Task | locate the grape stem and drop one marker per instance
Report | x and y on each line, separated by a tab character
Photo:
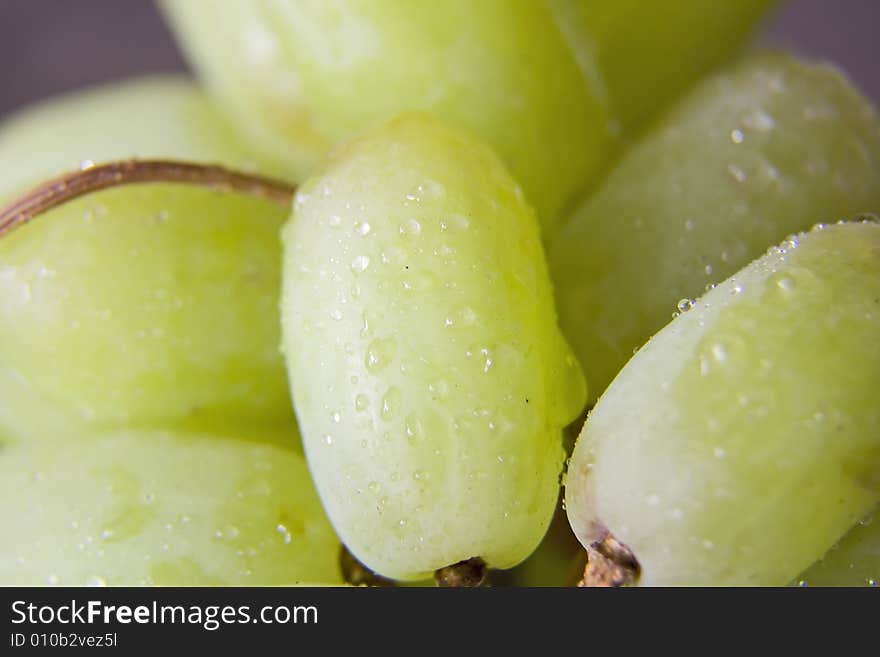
470	573
610	563
84	181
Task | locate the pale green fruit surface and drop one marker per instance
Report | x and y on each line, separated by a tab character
158	508
640	54
151	117
300	75
430	380
854	561
145	305
743	440
766	148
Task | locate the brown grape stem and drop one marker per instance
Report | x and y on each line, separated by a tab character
72	185
470	573
610	563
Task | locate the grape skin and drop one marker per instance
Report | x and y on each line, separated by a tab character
149	305
640	67
146	306
854	561
429	378
161	116
301	76
162	508
768	147
741	442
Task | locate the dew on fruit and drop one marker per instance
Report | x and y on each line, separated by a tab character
487	359
281	529
413	427
361	402
428	190
455	222
737	173
380	352
95	581
360	264
736	136
785	283
411	228
390	403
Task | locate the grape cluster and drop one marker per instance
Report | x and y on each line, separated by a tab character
513	224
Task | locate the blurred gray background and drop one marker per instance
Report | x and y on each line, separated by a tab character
48	46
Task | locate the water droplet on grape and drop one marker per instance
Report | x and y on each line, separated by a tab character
411	228
736	172
758	120
380	352
360	264
390	403
439	389
487	359
413	427
281	529
95	580
455	223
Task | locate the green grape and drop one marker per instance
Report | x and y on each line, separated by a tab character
152	117
300	75
743	439
429	377
159	508
766	148
145	305
855	561
641	54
